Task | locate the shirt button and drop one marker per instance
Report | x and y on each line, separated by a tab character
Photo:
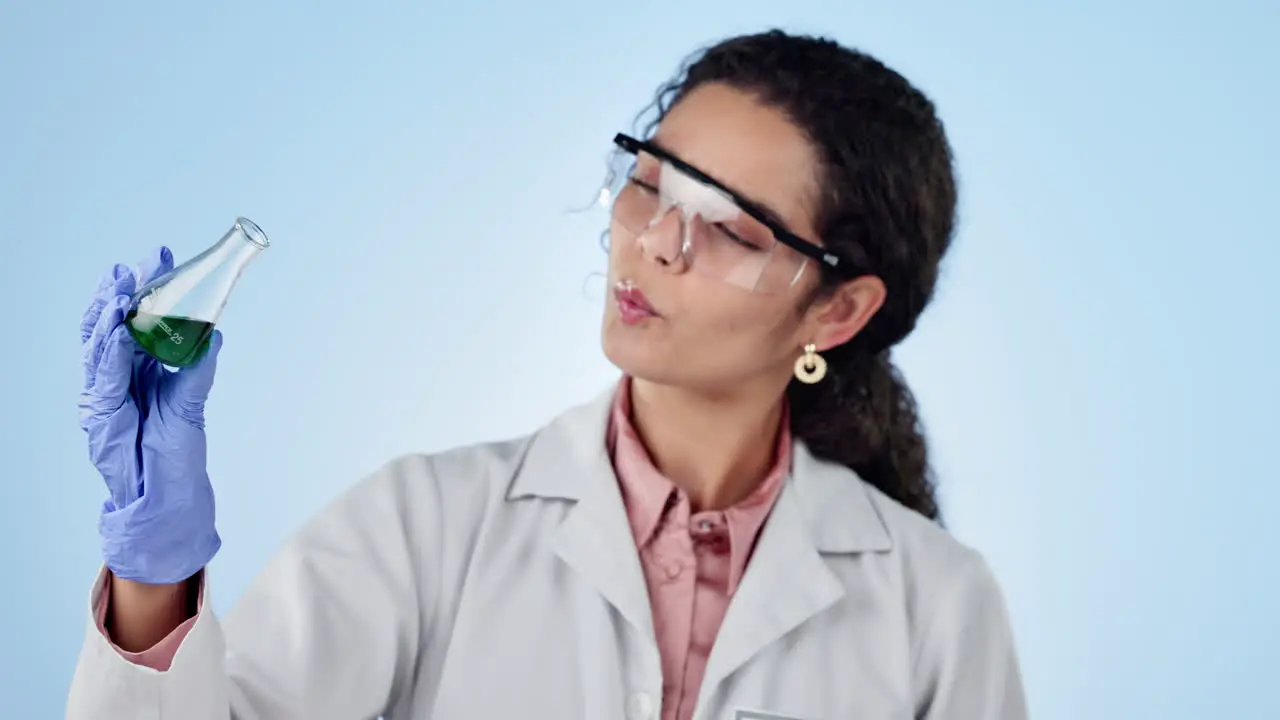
704	526
673	570
640	707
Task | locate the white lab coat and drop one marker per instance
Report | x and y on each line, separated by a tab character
501	581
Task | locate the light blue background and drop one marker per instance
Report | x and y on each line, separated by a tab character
1098	374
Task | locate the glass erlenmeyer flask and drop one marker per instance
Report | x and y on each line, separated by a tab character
173	316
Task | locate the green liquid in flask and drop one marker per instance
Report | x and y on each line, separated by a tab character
174	341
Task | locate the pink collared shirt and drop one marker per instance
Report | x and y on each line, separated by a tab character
692	562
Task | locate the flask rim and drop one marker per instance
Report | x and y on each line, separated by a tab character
252	232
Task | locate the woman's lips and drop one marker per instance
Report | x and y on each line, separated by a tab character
633	307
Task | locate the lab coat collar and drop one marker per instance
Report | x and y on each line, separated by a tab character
823	509
568	459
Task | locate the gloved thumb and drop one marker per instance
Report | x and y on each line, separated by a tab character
193	383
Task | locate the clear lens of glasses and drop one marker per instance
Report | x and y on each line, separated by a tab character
680	218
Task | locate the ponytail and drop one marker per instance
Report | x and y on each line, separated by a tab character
863	416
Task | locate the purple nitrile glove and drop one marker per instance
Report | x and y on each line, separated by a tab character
145	426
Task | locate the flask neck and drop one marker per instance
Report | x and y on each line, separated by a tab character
235	250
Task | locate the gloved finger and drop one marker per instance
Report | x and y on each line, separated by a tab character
193	383
105	291
111	316
157	263
115	369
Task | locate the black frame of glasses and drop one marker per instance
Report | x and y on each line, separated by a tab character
840	265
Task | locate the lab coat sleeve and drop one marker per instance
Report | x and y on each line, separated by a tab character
967	663
328	631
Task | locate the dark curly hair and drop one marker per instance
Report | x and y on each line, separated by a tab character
889	196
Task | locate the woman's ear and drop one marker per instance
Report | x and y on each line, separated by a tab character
834	319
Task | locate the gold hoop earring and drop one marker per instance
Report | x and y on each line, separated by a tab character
810	367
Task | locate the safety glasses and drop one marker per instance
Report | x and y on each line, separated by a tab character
681	214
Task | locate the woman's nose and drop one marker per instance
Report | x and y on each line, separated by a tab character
663	241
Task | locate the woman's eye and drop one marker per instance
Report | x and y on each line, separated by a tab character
643	185
734	237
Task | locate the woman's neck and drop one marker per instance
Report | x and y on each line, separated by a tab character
717	449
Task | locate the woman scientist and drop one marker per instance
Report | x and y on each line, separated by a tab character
743	528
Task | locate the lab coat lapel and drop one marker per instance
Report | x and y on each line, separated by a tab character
785	584
568	459
823	508
596	541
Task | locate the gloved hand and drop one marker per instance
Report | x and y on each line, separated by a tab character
145	426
